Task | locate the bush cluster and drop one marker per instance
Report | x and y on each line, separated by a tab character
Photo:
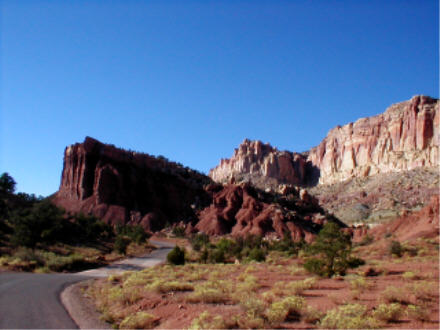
249	248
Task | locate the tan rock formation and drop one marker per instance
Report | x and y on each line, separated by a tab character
405	137
254	159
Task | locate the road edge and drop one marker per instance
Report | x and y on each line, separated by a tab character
80	308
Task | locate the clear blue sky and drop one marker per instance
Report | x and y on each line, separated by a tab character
191	79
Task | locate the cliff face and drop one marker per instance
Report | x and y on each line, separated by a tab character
262	165
405	137
120	186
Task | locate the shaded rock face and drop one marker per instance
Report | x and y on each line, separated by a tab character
405	137
241	210
120	186
263	165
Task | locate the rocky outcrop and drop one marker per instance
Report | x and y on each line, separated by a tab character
405	137
121	186
262	165
240	210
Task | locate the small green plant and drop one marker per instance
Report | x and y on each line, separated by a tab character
207	321
121	244
140	320
350	316
388	312
312	315
396	249
418	313
257	254
393	294
178	231
176	256
289	307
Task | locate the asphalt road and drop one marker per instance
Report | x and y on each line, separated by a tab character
32	301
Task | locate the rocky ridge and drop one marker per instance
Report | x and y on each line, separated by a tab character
122	186
405	137
125	187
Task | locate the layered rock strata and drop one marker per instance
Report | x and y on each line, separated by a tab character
405	137
263	165
121	186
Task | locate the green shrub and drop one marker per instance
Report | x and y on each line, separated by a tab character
417	312
396	248
333	248
217	256
139	320
121	244
289	307
351	316
257	254
207	321
198	241
388	312
178	231
176	256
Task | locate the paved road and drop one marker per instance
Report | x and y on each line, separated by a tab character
32	301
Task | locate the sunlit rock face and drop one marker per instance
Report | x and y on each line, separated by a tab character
254	159
405	137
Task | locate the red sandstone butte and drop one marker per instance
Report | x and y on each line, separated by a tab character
127	187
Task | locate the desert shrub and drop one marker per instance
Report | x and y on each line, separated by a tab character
41	223
246	321
351	316
410	276
388	312
176	256
418	313
393	294
312	315
210	292
216	256
423	290
139	320
207	321
29	255
199	240
396	249
164	286
334	249
58	263
257	254
253	306
178	231
360	284
289	307
121	244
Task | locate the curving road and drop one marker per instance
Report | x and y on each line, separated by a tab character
32	301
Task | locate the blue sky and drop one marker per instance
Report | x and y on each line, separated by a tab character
191	79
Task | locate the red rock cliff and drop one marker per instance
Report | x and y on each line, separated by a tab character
120	186
406	136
